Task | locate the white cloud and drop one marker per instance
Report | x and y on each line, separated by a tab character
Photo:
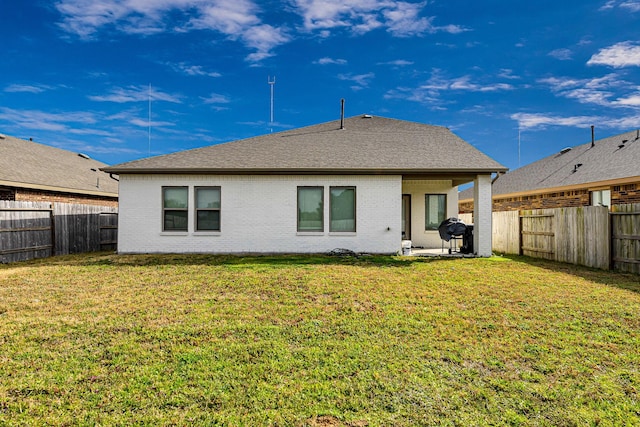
62	123
627	122
263	38
542	121
145	123
397	63
405	20
401	19
507	73
431	91
608	5
235	19
598	91
240	20
629	101
135	94
216	98
632	5
464	83
415	95
40	120
561	54
193	70
623	54
327	61
361	80
17	88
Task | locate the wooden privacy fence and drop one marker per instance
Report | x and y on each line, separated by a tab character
39	229
590	235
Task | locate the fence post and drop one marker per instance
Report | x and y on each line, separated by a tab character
611	245
52	223
520	219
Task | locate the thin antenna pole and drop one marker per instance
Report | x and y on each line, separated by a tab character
272	84
149	119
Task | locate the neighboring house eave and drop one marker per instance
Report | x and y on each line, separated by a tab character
56	189
592	186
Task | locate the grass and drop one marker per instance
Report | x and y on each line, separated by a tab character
102	339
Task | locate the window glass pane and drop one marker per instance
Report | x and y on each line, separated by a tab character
343	209
176	198
175	220
310	212
435	210
208	220
208	198
601	198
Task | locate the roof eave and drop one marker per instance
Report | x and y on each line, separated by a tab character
300	171
57	189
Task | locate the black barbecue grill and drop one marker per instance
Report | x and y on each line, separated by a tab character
451	230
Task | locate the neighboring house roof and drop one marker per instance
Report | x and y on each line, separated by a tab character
27	164
609	161
367	144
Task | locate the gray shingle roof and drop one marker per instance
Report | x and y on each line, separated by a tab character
366	144
27	164
604	162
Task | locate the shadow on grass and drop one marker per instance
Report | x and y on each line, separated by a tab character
277	260
627	281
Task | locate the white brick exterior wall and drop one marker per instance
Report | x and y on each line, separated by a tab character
259	214
418	189
482	216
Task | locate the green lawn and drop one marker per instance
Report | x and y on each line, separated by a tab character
102	339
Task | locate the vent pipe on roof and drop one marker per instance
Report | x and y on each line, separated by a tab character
342	113
593	137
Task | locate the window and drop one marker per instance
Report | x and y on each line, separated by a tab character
601	198
207	208
310	209
435	210
342	205
175	208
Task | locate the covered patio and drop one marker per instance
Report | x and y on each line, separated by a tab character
427	200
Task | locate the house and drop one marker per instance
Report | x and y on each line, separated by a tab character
36	172
602	172
362	183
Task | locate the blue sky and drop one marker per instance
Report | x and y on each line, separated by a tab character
79	74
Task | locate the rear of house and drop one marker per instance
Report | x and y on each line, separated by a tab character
363	184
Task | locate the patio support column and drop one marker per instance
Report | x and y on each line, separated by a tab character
482	216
